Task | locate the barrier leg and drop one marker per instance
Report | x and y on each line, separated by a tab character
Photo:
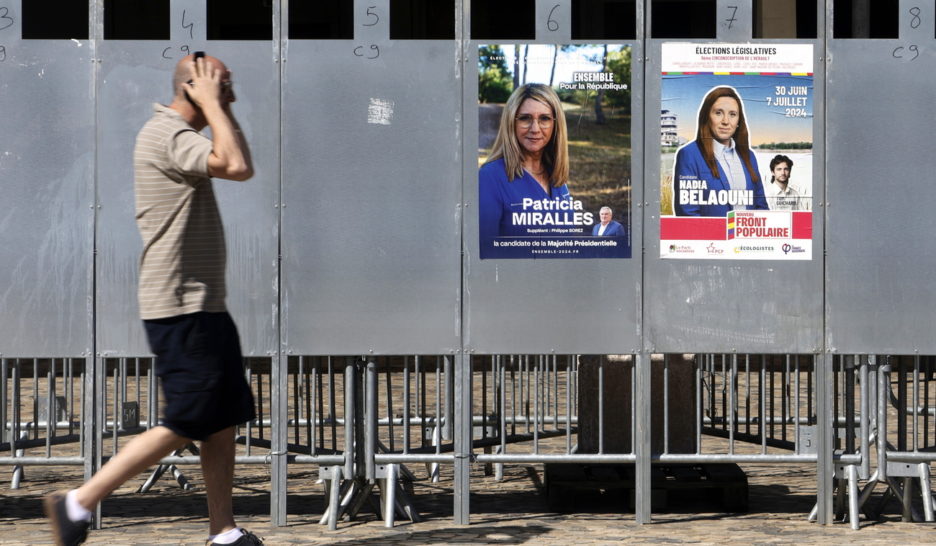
334	500
176	473
853	496
389	491
18	469
907	500
926	491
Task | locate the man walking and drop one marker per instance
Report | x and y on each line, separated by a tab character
181	296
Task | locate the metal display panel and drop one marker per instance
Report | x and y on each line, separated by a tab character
135	74
881	252
707	305
371	217
47	169
561	305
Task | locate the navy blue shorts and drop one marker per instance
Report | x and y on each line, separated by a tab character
199	362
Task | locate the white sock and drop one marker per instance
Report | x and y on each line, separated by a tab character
76	512
229	537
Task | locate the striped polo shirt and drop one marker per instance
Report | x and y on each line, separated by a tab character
182	266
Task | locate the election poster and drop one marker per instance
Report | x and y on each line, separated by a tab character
554	151
736	134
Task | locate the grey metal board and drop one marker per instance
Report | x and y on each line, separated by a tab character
132	76
371	226
558	305
47	169
880	296
703	305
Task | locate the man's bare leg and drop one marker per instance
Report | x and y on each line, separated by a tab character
217	461
139	454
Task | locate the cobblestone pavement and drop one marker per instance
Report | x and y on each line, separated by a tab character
513	511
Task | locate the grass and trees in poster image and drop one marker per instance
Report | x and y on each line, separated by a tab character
599	122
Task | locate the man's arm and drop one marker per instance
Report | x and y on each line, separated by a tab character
230	155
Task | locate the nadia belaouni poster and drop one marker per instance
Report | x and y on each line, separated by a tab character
736	133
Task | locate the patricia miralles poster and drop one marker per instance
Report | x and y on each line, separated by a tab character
554	163
736	132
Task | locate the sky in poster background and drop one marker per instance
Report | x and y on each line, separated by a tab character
682	94
540	56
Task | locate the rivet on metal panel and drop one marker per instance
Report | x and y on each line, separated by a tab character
370	351
833	350
276	205
284	205
466	205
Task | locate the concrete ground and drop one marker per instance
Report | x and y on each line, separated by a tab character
512	511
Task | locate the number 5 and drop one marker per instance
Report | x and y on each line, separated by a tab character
372	14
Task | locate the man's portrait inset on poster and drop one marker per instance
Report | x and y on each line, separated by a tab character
529	162
607	227
717	172
781	195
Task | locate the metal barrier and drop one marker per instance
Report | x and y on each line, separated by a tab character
906	442
42	404
362	420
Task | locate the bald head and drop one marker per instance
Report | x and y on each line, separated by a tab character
183	71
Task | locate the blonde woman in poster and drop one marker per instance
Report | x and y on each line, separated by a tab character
529	161
717	172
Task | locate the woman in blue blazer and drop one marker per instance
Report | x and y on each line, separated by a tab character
529	160
717	172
